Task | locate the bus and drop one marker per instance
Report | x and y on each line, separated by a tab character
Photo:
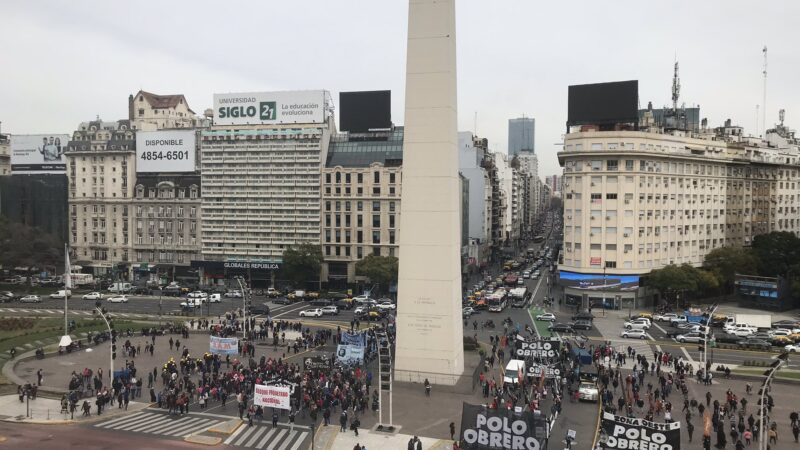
497	301
537	239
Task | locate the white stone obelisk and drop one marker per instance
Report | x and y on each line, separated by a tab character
429	324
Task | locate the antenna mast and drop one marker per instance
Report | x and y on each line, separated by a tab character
764	101
676	90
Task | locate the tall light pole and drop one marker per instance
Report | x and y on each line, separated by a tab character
244	307
762	443
112	352
705	339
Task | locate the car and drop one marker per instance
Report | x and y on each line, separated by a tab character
757	344
61	294
634	333
582	325
282	301
118	299
693	337
30	299
330	310
519	303
388	306
780	332
344	303
786	324
727	338
467	311
197	294
215	298
587	391
583	316
316	312
780	341
233	294
259	310
792	348
666	317
312	295
561	327
92	296
546	317
678	320
8	296
526	274
637	324
743	332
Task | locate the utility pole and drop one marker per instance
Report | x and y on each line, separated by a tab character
776	365
764	100
113	349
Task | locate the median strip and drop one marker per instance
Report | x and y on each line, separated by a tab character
538	325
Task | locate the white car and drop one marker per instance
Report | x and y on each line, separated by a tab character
666	317
92	296
61	294
637	325
359	310
780	332
693	337
742	332
31	299
330	310
215	298
192	303
546	317
233	294
634	333
792	348
118	299
588	391
311	313
386	305
197	294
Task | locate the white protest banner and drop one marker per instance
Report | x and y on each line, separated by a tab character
272	396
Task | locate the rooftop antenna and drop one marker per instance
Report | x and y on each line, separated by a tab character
781	115
475	125
764	101
676	89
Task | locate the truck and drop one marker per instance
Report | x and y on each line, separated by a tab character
760	321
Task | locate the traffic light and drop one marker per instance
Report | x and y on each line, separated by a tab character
113	344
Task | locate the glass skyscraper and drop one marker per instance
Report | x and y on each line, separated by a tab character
521	134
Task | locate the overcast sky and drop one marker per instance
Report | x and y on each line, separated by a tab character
66	62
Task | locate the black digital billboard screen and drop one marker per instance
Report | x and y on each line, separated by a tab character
365	110
604	103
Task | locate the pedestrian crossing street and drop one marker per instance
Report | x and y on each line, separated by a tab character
170	426
60	312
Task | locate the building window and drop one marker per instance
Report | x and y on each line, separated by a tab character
391	236
391	220
611	196
376	221
391	206
612	164
376	251
360	206
327	205
360	221
327	178
327	235
391	178
376	177
347	220
347	236
611	264
376	206
628	164
327	220
359	236
360	178
359	250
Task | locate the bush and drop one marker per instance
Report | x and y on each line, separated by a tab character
16	323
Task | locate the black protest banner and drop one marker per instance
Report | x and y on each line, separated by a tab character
627	433
317	362
539	348
550	371
490	429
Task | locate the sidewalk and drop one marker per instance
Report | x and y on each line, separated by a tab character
48	410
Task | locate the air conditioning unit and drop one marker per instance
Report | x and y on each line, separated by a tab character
592	184
592	217
625	251
569	217
625	235
627	202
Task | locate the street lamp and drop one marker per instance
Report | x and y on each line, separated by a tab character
762	443
113	349
244	307
705	338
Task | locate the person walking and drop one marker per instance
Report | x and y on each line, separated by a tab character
343	422
452	431
427	388
689	430
39	377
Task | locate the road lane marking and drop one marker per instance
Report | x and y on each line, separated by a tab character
688	356
234	435
300	440
288	439
255	436
266	438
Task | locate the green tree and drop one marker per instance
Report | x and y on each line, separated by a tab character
302	263
671	280
726	262
379	269
777	252
25	246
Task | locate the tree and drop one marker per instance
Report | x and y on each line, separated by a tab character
302	263
25	246
379	269
672	279
777	252
726	262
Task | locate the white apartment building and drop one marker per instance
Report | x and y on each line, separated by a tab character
261	181
471	154
510	186
635	201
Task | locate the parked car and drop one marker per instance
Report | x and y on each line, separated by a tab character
546	317
634	333
330	310
93	296
467	311
582	325
119	299
311	313
561	327
31	299
583	316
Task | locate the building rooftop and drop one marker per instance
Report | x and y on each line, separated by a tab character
363	149
164	101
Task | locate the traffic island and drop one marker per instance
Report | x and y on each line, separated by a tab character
203	440
226	427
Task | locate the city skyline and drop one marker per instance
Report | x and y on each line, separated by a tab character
125	58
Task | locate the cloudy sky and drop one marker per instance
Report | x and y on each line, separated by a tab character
66	62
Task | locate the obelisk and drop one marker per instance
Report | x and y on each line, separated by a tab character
429	326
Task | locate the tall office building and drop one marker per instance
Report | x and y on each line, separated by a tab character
261	163
521	133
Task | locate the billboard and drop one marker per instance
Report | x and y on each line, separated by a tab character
485	429
272	396
608	282
365	110
39	153
224	346
619	432
603	103
269	107
165	151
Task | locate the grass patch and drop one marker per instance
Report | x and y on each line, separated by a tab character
785	374
541	326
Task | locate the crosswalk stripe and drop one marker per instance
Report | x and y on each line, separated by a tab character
278	437
185	427
300	440
266	438
288	439
120	420
11	310
249	431
147	420
255	436
234	435
147	424
24	310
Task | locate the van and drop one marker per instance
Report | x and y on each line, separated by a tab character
61	294
120	288
513	368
